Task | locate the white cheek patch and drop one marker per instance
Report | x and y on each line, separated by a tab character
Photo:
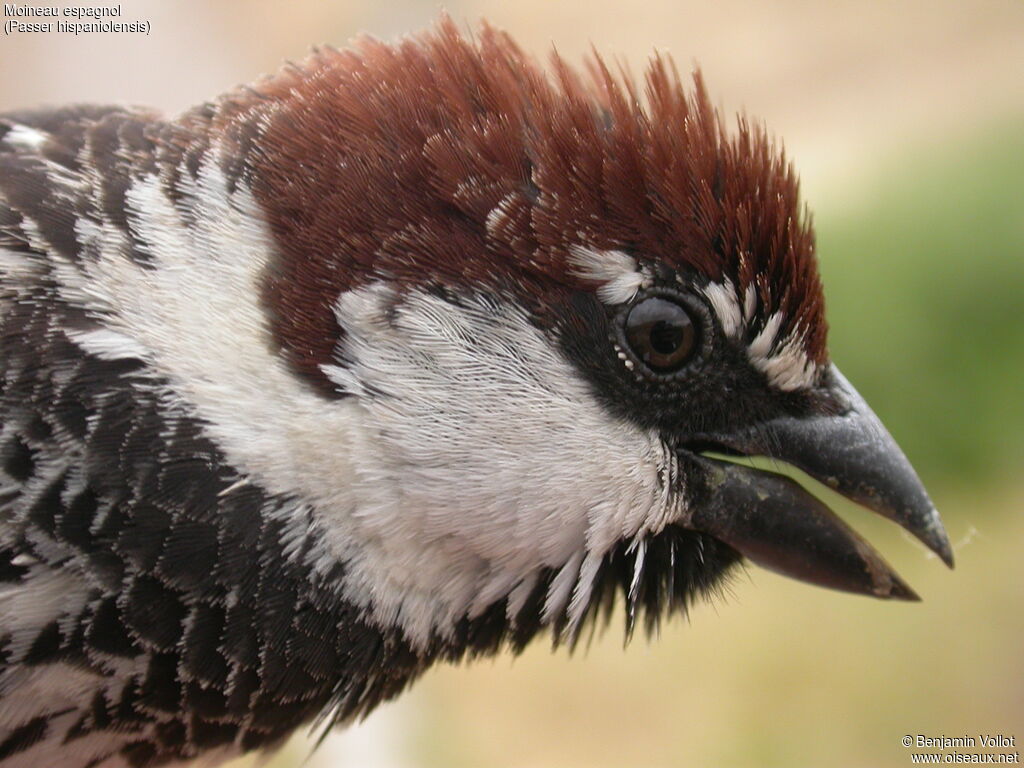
483	458
783	361
618	274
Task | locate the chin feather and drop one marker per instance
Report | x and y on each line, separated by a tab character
654	578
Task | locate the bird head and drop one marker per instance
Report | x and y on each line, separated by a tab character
547	308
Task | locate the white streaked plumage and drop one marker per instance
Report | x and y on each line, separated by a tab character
379	471
24	137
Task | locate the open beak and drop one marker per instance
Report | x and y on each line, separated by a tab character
775	523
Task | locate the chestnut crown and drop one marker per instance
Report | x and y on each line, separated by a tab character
460	161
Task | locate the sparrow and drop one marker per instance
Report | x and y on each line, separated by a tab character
403	355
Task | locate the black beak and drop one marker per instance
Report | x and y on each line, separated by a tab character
774	522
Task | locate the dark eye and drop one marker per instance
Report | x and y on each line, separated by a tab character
661	334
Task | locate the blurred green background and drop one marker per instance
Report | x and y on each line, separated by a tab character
925	282
906	121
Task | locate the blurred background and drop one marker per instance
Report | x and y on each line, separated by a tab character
906	122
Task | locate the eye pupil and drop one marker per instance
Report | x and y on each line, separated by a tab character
660	332
665	337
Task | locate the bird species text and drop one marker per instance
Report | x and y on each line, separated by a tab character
28	19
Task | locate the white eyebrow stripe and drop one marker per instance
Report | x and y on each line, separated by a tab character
725	303
783	361
749	303
618	273
761	346
788	368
